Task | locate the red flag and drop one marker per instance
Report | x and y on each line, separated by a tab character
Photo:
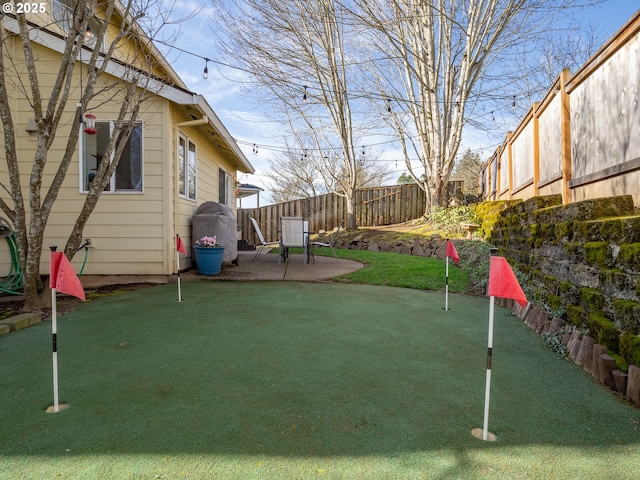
451	251
503	282
63	278
180	246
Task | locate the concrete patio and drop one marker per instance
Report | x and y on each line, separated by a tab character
266	267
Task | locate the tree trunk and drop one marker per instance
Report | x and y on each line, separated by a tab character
351	210
33	286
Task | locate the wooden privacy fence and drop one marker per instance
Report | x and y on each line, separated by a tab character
583	139
374	206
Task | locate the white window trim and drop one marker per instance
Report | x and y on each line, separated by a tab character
112	181
229	187
187	142
94	19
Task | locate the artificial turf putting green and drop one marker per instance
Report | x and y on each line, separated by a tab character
284	380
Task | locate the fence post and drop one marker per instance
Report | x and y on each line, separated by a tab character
565	110
536	148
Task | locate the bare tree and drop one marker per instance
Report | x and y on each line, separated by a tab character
303	173
84	61
299	51
433	62
540	61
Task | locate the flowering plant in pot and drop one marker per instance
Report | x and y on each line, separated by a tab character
208	255
208	242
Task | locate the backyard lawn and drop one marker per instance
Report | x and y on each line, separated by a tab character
285	380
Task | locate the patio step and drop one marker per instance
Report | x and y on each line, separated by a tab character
18	322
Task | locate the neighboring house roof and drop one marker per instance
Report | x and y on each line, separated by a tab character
174	92
246	190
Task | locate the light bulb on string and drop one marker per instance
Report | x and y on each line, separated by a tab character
493	119
513	105
304	96
388	105
255	149
88	34
205	73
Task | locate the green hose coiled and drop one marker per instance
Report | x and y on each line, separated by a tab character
12	283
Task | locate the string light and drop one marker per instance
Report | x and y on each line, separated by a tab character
513	105
88	35
255	149
205	73
493	119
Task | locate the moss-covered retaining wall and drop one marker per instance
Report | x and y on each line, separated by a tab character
583	259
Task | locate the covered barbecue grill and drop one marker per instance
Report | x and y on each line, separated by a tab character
213	218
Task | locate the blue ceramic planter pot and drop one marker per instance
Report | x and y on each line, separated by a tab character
209	259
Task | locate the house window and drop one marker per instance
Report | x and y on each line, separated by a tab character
62	11
187	168
225	188
128	174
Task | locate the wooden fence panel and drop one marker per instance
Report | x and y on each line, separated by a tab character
586	138
374	206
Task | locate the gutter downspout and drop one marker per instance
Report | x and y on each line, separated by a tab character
176	185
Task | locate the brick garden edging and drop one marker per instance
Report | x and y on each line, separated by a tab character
18	322
581	349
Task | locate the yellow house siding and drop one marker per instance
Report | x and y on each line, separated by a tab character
131	232
208	161
128	228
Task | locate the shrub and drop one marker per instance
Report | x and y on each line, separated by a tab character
449	219
630	347
474	258
554	342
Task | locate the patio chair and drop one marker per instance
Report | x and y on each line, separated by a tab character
293	233
329	244
263	244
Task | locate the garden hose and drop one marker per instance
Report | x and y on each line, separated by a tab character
12	283
86	255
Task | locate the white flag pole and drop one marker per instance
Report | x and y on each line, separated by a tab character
446	287
485	427
54	333
178	267
476	432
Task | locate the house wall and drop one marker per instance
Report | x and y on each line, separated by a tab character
132	233
130	52
209	160
127	229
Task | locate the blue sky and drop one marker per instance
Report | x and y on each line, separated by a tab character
247	124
